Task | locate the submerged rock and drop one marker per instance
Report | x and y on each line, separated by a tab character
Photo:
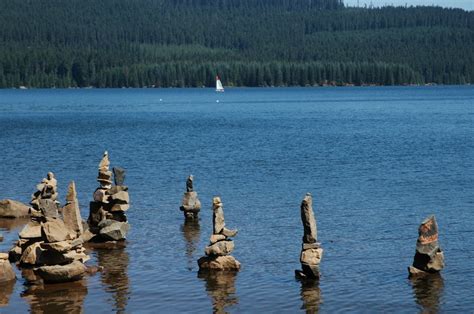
13	209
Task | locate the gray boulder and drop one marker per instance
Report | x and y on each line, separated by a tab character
114	230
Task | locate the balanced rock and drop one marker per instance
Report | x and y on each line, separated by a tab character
220	246
429	257
13	209
71	212
61	273
190	204
47	189
311	251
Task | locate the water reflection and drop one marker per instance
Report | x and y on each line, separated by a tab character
6	290
220	286
310	295
114	275
428	291
191	234
57	298
12	224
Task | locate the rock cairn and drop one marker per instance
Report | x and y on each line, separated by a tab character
107	218
311	251
220	246
190	204
44	200
50	246
428	258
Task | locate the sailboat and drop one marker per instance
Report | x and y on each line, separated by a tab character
219	87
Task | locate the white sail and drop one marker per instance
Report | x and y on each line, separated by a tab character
219	87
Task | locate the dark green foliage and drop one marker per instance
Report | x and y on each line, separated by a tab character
176	43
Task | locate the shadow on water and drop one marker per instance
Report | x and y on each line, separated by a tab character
220	286
56	298
428	291
191	234
6	290
310	295
114	276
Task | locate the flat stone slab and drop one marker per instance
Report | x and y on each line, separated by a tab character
61	273
218	263
31	231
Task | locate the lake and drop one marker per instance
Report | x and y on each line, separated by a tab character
378	160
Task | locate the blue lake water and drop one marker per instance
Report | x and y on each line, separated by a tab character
377	160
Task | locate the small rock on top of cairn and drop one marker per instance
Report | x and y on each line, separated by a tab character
218	251
190	204
311	251
44	201
429	257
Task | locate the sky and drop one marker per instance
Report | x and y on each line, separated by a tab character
464	4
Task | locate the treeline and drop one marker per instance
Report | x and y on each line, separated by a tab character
179	43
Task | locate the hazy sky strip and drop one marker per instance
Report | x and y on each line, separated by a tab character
464	4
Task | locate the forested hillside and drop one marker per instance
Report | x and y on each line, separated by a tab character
176	43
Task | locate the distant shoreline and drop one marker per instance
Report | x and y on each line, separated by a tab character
231	87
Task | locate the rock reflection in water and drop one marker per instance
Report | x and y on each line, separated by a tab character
428	291
310	295
191	233
12	224
6	290
114	275
56	298
220	286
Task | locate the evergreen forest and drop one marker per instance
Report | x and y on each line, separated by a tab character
185	43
